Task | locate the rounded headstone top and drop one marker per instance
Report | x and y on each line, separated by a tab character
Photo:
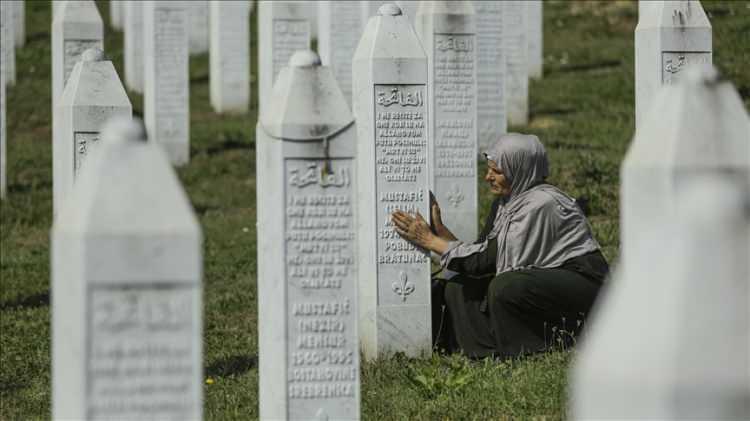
702	75
390	9
304	58
92	54
124	129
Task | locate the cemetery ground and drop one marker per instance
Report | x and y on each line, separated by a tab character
583	110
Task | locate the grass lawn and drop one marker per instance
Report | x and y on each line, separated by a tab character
583	110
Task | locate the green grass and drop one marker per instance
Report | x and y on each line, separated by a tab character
582	110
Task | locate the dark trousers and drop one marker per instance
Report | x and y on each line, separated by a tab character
511	314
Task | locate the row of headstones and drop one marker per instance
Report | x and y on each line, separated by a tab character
12	36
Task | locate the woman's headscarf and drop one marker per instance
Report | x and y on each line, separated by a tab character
522	159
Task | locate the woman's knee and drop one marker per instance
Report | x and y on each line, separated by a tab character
508	289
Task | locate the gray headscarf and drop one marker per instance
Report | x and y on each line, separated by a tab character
537	225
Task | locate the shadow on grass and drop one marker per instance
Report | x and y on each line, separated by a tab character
604	64
232	366
228	145
36	300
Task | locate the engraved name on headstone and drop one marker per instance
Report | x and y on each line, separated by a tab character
491	70
307	270
516	56
126	282
133	43
391	104
283	28
670	37
92	95
230	56
448	33
167	95
340	25
77	26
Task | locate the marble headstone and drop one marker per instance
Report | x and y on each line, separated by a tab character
127	288
77	26
340	25
307	269
93	95
230	56
516	56
448	33
311	14
19	22
283	28
166	98
491	70
133	42
535	37
116	14
670	37
677	311
3	136
199	24
391	106
7	34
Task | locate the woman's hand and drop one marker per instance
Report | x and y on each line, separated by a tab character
437	221
416	230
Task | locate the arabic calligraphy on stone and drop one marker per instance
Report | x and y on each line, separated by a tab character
412	99
315	174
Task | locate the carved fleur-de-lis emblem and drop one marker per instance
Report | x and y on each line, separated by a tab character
455	196
403	287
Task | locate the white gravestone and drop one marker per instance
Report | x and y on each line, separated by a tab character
391	105
283	28
340	25
92	95
448	33
535	38
516	56
670	37
133	43
77	26
3	135
230	56
307	273
19	22
7	34
127	289
677	311
199	23
166	98
491	70
116	14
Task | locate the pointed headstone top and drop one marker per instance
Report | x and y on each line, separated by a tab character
390	9
304	58
673	14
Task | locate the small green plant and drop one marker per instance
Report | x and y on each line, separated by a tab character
440	375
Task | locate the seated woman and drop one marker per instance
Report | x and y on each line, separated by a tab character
531	277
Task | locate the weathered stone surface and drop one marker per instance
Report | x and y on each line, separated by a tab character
516	56
167	95
448	33
307	269
77	26
230	56
283	28
670	37
116	14
535	37
133	42
340	25
93	95
491	71
676	312
199	26
126	288
7	34
391	107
